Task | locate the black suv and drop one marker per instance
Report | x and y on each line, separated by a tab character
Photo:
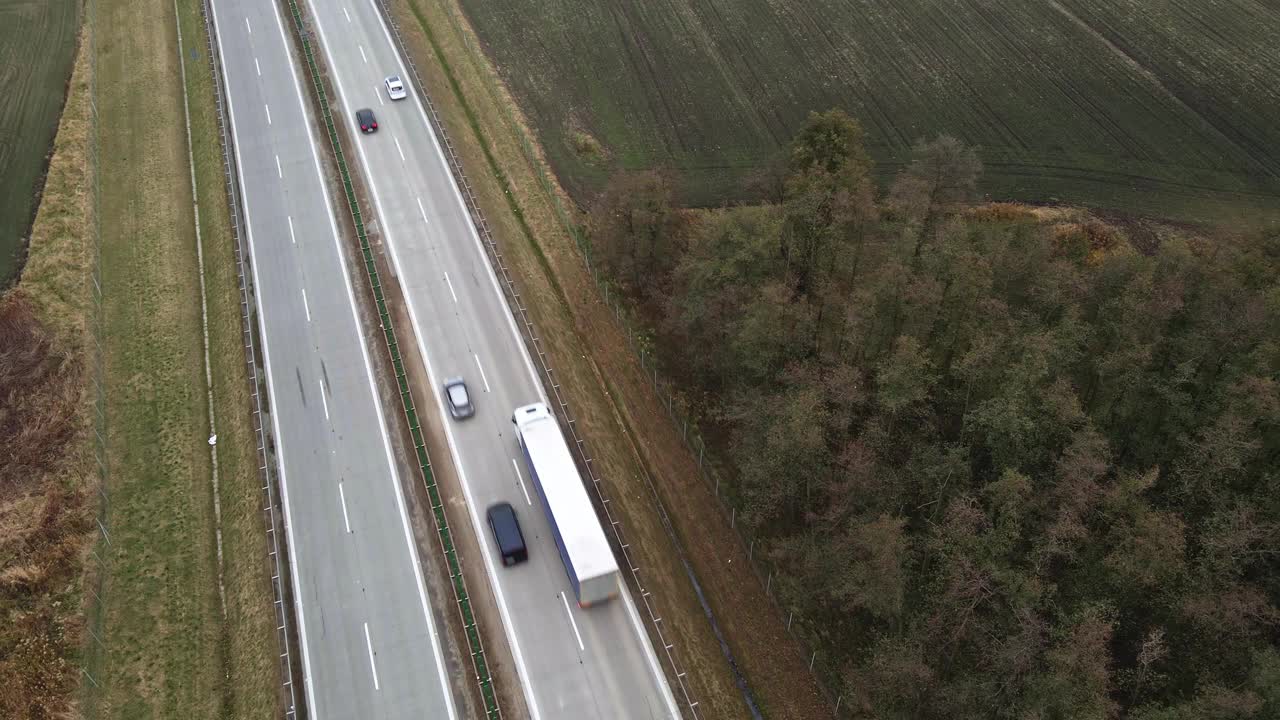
506	533
368	123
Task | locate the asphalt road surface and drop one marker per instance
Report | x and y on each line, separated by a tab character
574	663
368	638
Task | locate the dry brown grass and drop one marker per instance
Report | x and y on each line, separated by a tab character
1000	212
45	485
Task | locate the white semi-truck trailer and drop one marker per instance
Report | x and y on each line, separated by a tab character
584	550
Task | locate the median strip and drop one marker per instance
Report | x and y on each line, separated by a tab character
479	664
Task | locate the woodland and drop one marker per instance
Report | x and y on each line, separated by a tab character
1019	462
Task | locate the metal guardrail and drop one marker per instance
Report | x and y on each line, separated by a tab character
531	340
458	582
249	311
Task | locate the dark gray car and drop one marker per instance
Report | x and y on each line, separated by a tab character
455	393
506	533
368	123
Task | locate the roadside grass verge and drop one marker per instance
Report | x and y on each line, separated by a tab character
48	483
169	651
611	399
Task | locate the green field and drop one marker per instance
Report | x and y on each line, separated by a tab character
1164	107
37	45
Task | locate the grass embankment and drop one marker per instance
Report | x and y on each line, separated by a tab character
614	404
37	48
48	483
170	653
1118	104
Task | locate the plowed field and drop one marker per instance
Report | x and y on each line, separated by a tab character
1164	107
37	42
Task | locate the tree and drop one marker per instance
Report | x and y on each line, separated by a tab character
634	226
731	255
828	189
942	177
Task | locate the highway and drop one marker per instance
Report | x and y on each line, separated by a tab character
368	637
574	663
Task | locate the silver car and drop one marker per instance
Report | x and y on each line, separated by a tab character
395	88
455	393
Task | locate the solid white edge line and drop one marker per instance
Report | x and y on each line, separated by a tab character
306	306
650	654
308	687
394	475
448	282
481	368
292	238
569	612
520	481
342	495
372	665
476	523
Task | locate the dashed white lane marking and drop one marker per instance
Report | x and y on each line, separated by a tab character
482	377
398	148
305	306
292	239
424	212
279	171
268	107
450	284
343	495
324	400
247	25
571	622
344	12
366	57
372	665
257	67
520	479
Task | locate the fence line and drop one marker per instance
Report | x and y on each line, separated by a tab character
641	345
479	663
248	316
530	338
95	652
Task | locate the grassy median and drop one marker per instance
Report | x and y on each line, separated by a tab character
170	652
